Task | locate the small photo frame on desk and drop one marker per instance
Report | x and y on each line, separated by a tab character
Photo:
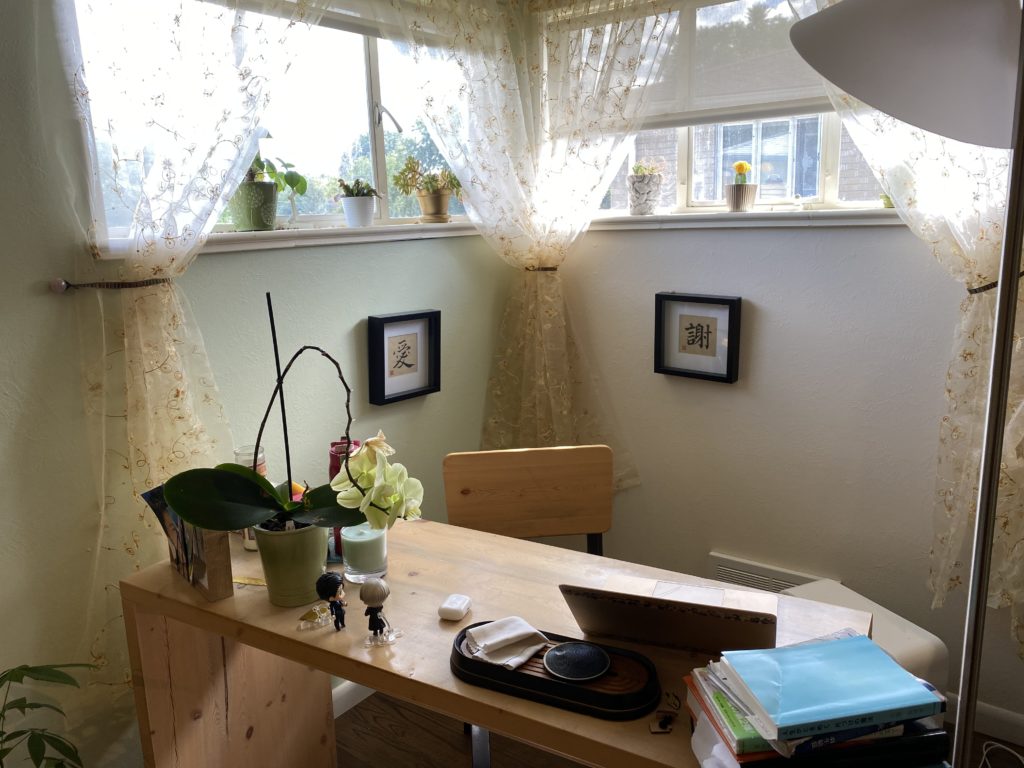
404	355
697	336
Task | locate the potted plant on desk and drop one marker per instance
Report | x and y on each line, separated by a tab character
291	530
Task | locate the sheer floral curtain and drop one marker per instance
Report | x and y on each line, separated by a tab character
169	96
532	104
953	196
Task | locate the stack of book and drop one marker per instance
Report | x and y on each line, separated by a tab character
836	702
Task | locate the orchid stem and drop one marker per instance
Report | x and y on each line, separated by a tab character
284	415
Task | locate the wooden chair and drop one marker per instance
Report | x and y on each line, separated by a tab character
531	492
525	493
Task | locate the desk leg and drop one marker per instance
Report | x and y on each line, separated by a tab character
203	699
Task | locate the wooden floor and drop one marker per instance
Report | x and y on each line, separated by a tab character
383	731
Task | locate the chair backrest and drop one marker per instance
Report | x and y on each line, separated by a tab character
528	492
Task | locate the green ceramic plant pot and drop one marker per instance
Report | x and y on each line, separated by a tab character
254	206
292	562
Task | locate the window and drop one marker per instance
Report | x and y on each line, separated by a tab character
806	160
333	129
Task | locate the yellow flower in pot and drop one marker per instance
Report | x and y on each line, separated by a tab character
741	194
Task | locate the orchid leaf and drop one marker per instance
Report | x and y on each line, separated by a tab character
221	499
320	507
256	477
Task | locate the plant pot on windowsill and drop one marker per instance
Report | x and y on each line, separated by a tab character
358	210
740	197
358	200
433	188
434	207
644	193
254	206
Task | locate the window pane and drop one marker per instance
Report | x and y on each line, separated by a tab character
775	159
402	99
323	134
659	147
785	155
857	182
807	162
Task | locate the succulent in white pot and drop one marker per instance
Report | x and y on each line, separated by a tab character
358	200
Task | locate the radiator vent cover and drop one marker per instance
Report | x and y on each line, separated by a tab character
749	573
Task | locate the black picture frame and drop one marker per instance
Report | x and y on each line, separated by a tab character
403	355
706	349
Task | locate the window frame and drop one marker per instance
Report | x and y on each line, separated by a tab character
828	175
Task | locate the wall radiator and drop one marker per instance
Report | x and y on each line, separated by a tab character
750	573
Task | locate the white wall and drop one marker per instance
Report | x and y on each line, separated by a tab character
821	458
323	296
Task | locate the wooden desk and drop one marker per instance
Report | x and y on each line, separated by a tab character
235	683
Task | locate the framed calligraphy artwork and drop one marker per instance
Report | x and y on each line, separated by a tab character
697	336
404	355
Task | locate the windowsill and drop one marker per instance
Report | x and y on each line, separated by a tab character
822	217
224	242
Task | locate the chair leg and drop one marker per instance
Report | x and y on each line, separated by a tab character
595	544
480	740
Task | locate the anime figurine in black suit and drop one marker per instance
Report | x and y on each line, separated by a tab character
374	592
328	587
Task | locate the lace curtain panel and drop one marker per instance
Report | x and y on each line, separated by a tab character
167	138
531	104
953	196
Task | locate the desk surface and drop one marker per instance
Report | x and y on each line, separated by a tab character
428	561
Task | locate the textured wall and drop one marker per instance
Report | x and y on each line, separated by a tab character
821	458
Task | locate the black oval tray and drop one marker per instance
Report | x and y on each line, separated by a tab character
628	690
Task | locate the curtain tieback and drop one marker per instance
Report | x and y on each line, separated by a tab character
542	269
60	285
987	286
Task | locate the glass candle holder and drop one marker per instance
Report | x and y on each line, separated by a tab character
364	551
244	455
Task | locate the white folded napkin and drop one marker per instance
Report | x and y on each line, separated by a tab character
509	642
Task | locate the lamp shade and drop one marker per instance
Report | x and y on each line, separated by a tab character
948	66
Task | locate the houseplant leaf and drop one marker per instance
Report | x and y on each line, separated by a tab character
65	747
221	499
47	673
320	507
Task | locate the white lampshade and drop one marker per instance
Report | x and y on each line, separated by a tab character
948	66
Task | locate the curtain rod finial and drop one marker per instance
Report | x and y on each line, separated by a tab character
59	285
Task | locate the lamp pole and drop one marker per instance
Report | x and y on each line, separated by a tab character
992	450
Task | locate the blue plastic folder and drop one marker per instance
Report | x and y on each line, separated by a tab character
818	687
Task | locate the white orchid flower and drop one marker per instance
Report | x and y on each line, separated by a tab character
385	491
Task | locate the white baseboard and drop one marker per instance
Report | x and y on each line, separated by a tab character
991	720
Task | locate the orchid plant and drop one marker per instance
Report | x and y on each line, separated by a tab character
382	491
231	496
741	168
